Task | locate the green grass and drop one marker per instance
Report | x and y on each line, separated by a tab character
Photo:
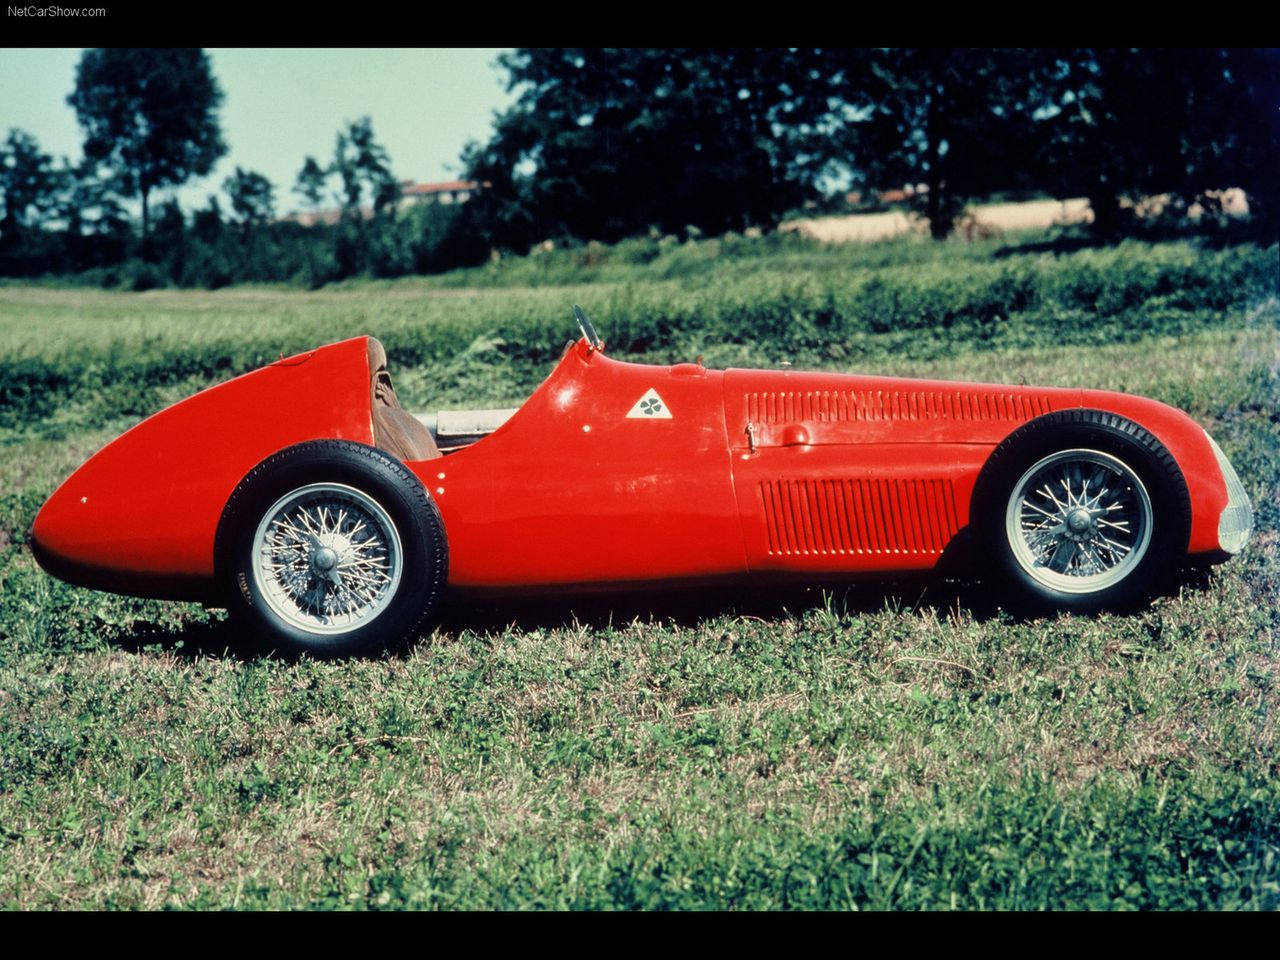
896	746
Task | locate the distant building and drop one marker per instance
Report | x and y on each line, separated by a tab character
411	195
450	191
310	218
908	191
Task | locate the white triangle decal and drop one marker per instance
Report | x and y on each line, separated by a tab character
650	407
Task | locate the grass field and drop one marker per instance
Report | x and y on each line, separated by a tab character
889	746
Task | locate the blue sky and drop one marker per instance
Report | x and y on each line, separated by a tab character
281	105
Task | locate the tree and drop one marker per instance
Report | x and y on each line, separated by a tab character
364	168
957	121
29	184
603	143
206	224
169	233
97	227
311	183
150	114
1249	130
252	198
1131	123
90	202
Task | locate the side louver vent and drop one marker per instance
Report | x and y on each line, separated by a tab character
858	516
835	405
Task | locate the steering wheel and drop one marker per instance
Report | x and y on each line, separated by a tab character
588	331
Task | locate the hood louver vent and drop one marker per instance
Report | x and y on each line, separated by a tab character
858	516
831	406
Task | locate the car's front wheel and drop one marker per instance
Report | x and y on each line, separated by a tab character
1082	511
333	549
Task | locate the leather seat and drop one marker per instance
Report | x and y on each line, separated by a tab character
395	430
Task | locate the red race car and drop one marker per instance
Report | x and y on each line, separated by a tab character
332	521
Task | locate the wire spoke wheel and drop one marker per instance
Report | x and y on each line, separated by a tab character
331	548
327	558
1079	521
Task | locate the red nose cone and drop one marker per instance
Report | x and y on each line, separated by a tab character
141	514
103	529
53	539
88	539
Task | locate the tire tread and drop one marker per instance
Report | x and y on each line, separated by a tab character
342	453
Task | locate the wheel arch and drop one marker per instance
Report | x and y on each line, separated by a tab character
1091	435
1183	438
1105	420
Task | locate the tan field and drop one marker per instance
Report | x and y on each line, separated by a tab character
998	217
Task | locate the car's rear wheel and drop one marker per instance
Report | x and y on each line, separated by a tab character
333	549
1082	511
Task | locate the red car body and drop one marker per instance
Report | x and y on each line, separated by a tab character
738	473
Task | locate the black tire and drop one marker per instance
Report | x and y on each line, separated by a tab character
360	550
1083	559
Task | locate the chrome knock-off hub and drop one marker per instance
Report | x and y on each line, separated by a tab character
1080	525
324	560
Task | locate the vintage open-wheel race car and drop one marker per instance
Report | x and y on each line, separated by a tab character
331	521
